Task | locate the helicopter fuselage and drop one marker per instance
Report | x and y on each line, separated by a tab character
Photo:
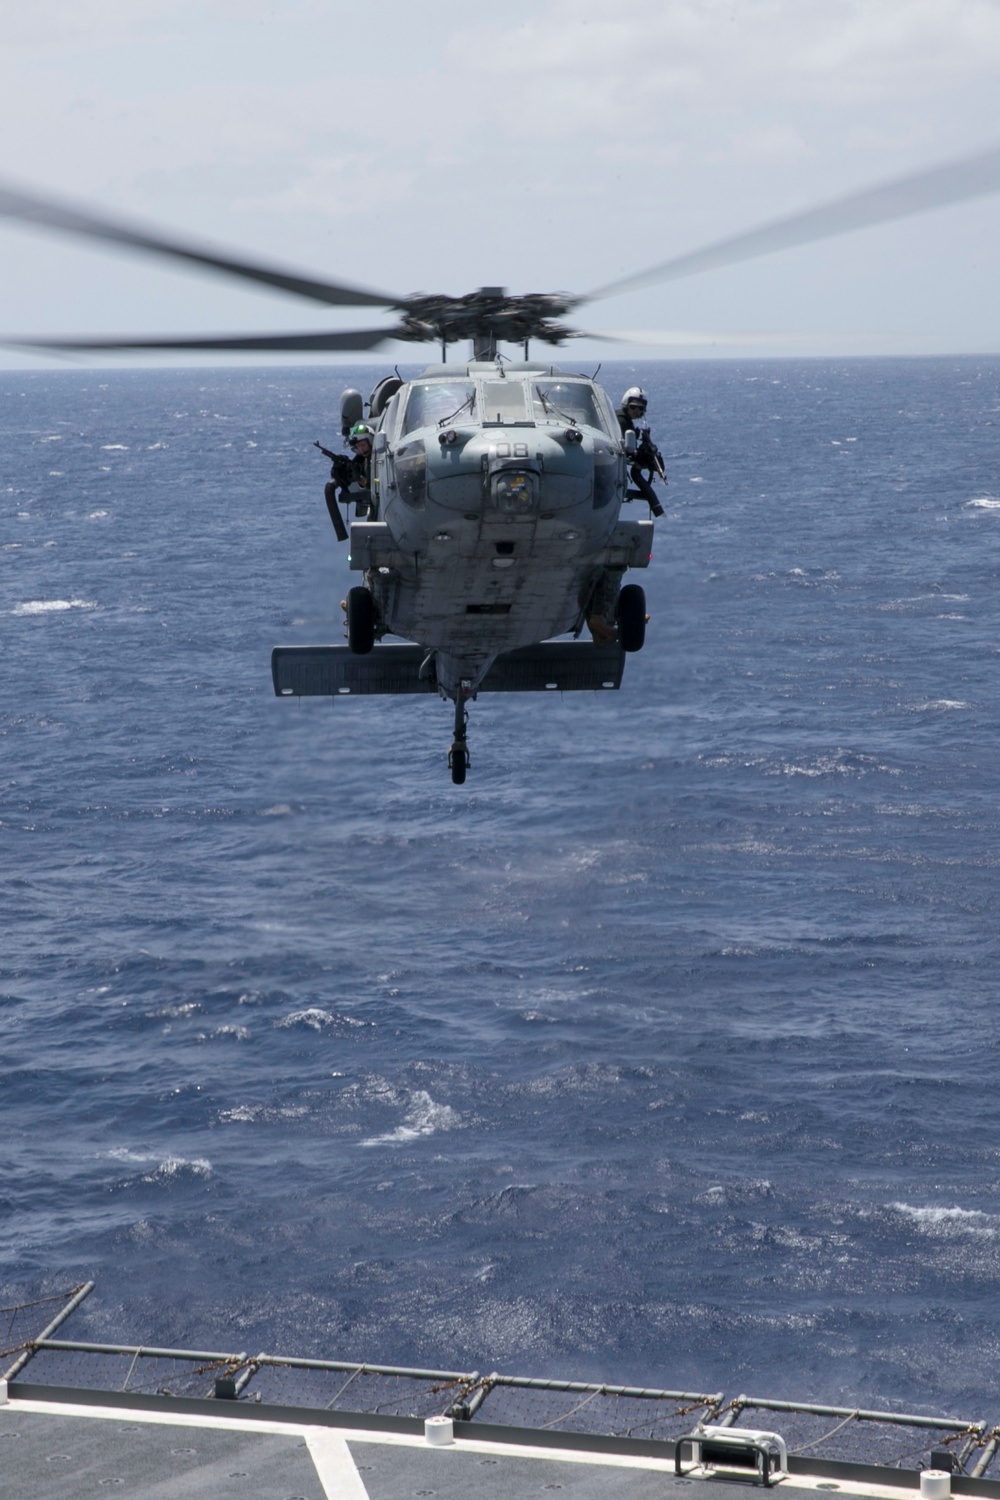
496	497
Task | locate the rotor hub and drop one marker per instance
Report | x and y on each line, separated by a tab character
487	314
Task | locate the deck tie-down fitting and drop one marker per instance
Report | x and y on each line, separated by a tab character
733	1443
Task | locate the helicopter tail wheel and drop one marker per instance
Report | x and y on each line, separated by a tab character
361	621
458	762
631	618
458	755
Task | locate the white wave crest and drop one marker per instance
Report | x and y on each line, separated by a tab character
983	502
823	765
51	606
179	1166
943	1221
167	1168
424	1117
314	1018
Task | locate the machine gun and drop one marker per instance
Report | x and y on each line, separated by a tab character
341	474
648	456
647	460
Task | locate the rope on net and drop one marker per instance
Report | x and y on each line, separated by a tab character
573	1409
804	1447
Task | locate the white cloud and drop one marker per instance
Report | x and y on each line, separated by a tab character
578	70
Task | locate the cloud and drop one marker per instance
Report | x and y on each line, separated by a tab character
572	68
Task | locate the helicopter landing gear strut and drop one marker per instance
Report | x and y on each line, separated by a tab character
458	755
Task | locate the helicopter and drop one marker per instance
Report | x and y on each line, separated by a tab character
489	524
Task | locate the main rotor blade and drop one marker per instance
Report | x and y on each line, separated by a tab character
298	343
30	209
973	177
690	338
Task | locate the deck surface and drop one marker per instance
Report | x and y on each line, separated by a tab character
79	1452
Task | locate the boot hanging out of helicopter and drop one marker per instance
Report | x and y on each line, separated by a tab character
647	460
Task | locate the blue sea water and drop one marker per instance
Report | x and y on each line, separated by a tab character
663	1051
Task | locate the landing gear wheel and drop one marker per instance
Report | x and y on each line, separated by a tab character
458	762
360	621
631	618
458	755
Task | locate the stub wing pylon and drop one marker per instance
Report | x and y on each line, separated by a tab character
335	671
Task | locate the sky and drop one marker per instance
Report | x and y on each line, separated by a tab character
553	146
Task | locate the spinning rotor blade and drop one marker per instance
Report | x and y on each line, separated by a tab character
973	177
683	338
52	215
301	343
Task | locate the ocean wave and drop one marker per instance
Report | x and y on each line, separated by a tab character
423	1117
836	762
167	1168
749	1190
314	1018
51	606
983	502
581	1078
949	1221
257	1114
819	765
175	1011
179	1166
317	1019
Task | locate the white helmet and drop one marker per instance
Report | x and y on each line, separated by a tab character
634	395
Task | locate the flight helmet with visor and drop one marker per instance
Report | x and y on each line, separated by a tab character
634	401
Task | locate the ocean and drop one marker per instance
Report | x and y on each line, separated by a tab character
661	1052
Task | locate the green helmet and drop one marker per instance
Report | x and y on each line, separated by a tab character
360	432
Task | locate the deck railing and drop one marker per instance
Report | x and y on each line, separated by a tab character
846	1434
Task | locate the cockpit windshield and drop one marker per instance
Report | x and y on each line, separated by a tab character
568	401
434	401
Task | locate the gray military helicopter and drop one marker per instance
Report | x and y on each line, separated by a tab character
490	521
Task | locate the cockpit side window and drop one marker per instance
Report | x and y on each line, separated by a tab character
387	422
562	401
389	417
434	401
608	411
